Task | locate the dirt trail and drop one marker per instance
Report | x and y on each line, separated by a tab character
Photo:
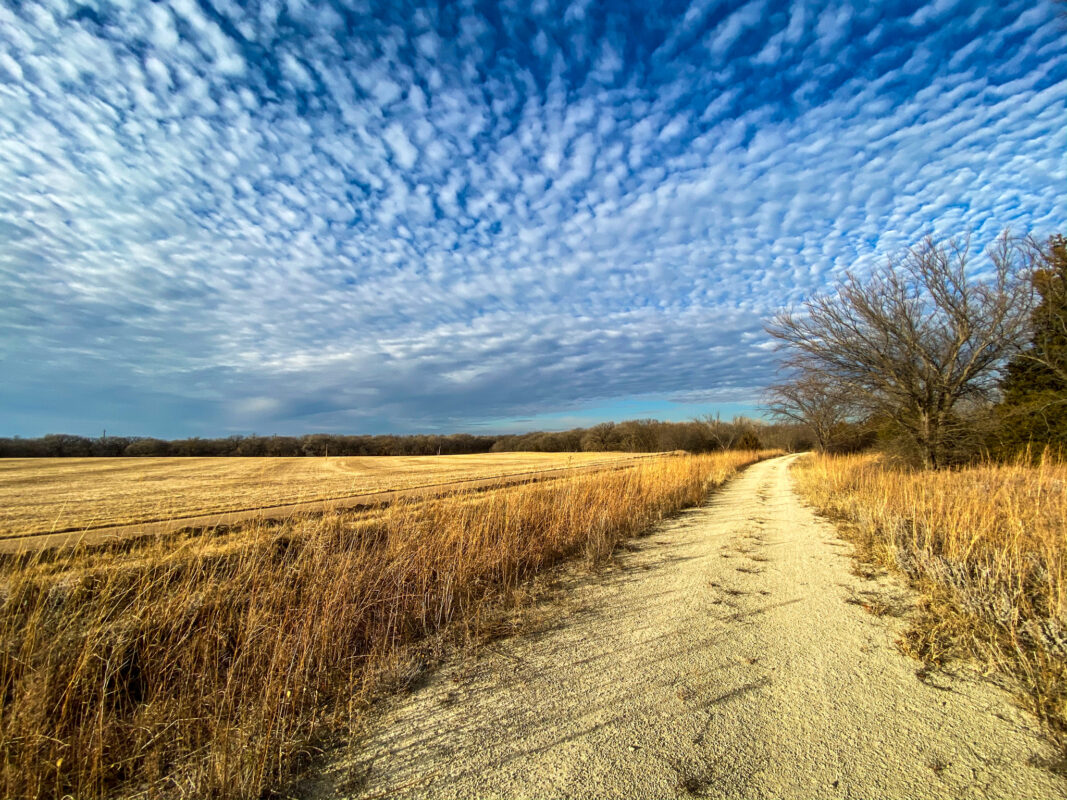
721	659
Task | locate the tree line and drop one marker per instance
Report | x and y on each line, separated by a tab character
643	436
935	361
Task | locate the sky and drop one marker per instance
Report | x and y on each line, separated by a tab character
290	217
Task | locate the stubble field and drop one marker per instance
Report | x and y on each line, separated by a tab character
46	495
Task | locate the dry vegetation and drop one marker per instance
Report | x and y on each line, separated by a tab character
986	546
40	495
213	665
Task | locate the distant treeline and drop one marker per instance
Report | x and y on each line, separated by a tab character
641	436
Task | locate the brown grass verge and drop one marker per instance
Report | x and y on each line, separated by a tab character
214	665
987	549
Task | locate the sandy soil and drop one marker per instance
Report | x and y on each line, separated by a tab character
721	658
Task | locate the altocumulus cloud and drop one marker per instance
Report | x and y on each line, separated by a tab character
355	216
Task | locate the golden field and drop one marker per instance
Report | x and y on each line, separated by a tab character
217	664
41	495
987	548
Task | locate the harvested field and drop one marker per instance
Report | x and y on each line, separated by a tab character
39	496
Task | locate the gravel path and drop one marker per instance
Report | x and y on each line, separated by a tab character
722	658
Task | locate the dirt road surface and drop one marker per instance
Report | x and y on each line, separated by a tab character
722	658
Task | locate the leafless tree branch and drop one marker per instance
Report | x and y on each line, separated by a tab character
915	338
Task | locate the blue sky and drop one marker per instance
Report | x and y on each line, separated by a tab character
367	217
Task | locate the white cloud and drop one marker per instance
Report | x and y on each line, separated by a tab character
404	152
726	33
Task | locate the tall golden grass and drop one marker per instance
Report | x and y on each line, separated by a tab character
986	545
214	664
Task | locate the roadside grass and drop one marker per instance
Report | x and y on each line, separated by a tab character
217	664
985	546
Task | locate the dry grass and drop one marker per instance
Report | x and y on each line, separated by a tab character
38	495
214	665
986	546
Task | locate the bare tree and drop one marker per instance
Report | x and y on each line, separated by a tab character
739	433
812	400
723	434
916	337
